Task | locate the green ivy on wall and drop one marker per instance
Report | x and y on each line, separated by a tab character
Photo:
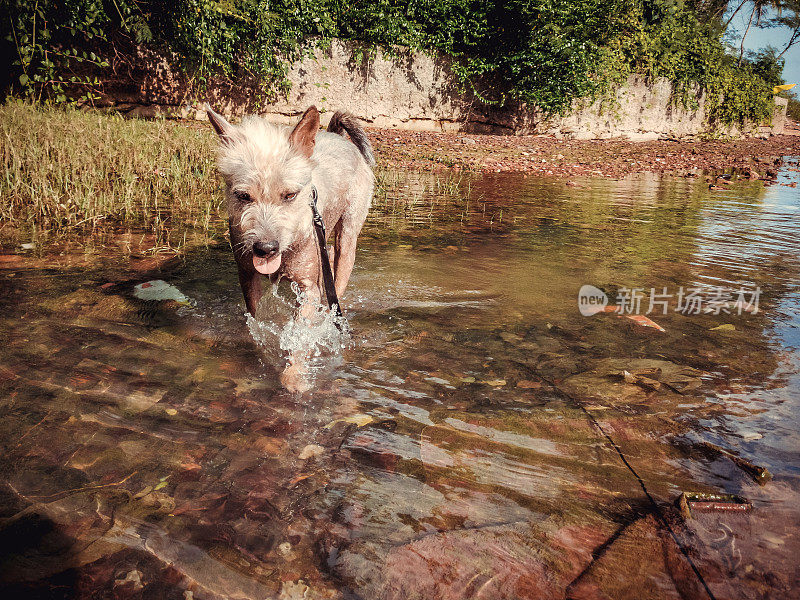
547	53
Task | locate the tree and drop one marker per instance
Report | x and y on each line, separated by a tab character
766	14
759	9
789	16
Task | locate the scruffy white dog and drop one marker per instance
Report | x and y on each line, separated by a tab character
270	174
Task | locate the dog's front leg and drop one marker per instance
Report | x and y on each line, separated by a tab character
295	376
251	288
311	297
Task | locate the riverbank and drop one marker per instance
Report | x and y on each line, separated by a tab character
548	156
76	173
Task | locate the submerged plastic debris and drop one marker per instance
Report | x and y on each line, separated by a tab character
158	289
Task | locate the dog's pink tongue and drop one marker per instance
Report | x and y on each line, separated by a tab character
267	266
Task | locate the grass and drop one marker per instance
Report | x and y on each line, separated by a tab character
68	173
413	200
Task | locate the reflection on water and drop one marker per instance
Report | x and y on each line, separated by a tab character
148	449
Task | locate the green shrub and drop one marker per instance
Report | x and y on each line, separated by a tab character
793	109
544	52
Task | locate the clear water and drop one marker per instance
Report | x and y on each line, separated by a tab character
443	452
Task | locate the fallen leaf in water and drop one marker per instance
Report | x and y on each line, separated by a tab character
143	492
171	411
644	321
299	478
527	384
467	380
360	420
310	451
646	378
495	382
724	327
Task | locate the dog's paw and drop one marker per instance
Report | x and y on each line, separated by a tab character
295	379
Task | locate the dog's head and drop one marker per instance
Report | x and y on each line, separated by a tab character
267	170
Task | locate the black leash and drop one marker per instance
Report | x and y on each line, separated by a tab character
659	514
327	274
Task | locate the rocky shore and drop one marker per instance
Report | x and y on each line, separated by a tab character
546	155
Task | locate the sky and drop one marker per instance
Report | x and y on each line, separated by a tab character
776	37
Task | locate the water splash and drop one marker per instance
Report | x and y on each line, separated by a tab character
283	330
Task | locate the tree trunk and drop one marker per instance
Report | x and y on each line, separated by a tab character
792	41
738	8
741	48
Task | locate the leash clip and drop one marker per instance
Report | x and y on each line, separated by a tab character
318	222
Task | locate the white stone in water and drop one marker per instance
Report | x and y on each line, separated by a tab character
285	548
294	590
310	451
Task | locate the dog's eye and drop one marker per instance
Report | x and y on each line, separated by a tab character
291	196
243	196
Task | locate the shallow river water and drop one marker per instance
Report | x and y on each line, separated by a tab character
465	441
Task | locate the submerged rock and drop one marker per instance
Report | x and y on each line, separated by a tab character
605	381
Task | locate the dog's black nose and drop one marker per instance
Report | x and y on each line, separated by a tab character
265	249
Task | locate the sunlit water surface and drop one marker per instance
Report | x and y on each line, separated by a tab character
444	451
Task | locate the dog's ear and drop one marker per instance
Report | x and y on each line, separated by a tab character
224	130
304	134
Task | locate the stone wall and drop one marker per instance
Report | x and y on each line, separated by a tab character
413	90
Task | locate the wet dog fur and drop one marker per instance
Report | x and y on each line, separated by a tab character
270	172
